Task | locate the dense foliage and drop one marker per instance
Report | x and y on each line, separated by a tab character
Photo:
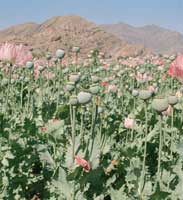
95	131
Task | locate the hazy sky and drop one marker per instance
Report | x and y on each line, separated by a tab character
166	13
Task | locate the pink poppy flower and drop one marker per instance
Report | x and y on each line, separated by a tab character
169	111
36	74
49	75
14	76
129	123
55	120
17	54
139	76
178	94
44	129
112	89
176	68
104	84
83	163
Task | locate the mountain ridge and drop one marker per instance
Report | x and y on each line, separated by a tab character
159	39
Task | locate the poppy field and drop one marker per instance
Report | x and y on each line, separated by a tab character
90	129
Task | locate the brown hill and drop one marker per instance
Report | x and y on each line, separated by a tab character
65	32
160	40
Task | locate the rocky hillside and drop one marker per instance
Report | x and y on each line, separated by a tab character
160	40
65	32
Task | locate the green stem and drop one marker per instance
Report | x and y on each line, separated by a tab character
160	148
172	133
145	150
94	117
82	125
73	133
9	84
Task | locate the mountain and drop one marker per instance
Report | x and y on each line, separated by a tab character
160	40
65	32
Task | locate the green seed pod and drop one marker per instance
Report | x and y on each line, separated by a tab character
135	93
160	105
41	68
48	57
66	71
60	53
76	49
4	82
94	89
29	65
94	79
12	81
74	78
73	100
70	86
27	79
84	97
100	110
145	94
142	71
172	100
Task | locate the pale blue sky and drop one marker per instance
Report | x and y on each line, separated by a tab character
166	13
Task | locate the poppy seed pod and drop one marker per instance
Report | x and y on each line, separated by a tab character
142	71
160	105
76	49
73	100
70	86
172	100
145	94
60	53
84	97
12	81
94	79
27	79
48	57
29	65
40	68
94	89
66	71
4	82
135	93
100	110
74	78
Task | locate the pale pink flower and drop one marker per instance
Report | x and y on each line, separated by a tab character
14	76
161	67
139	76
152	88
129	123
83	163
169	111
112	89
111	78
131	75
36	73
178	94
49	75
17	54
176	68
